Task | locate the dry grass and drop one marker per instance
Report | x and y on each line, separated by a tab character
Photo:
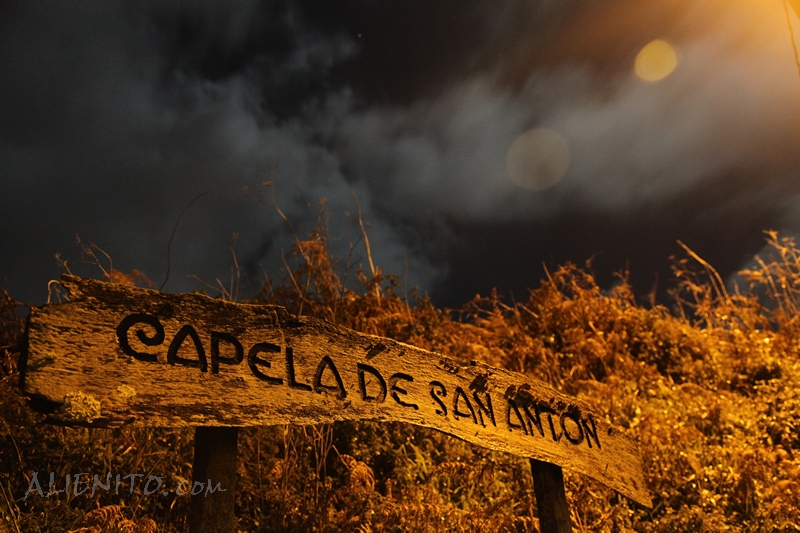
709	387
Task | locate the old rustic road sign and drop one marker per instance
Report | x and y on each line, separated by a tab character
116	355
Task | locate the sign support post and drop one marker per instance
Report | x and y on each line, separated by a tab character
551	498
214	469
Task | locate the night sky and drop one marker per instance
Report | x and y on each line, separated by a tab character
481	139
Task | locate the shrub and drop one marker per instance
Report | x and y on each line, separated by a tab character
709	388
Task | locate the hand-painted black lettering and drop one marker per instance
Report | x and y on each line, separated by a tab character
575	418
512	408
484	408
172	354
456	412
155	340
319	387
216	358
254	361
375	350
534	419
362	383
591	433
437	390
395	389
290	372
556	437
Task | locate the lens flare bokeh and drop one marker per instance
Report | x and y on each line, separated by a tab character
537	159
656	61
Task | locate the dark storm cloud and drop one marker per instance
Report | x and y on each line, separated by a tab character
115	116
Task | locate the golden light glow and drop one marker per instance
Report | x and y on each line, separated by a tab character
537	159
656	61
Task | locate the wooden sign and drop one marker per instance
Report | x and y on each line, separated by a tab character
116	355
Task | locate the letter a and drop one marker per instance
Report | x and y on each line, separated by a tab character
327	362
175	345
34	481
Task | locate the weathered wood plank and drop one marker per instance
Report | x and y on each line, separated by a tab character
551	497
118	355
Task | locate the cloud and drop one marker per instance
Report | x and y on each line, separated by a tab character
727	108
110	137
116	117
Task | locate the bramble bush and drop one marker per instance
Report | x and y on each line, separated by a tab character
709	386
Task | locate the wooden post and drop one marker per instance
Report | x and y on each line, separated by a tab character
551	498
215	467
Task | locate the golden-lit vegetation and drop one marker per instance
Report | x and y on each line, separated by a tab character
709	387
